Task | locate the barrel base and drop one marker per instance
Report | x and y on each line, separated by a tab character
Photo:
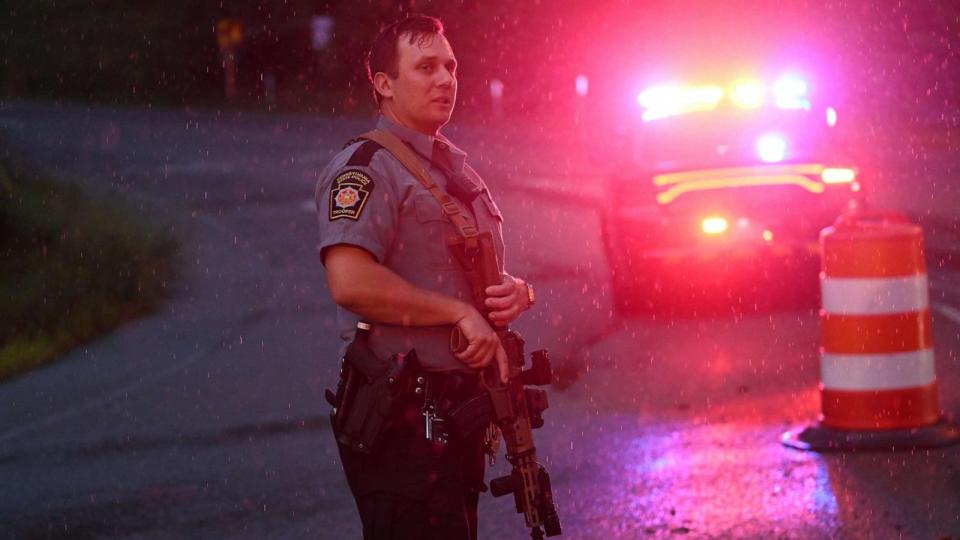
818	438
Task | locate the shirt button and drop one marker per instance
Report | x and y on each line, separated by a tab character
443	146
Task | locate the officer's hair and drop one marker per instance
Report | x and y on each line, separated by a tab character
384	54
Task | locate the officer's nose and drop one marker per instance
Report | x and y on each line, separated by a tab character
446	78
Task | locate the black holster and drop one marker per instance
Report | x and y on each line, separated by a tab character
369	394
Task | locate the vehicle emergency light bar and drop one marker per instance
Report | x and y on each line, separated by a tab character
662	101
801	175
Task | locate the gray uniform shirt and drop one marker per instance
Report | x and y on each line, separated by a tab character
376	204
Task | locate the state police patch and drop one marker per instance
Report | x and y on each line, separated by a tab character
349	194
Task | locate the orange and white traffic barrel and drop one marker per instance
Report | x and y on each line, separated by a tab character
878	384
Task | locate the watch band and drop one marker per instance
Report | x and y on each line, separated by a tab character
531	296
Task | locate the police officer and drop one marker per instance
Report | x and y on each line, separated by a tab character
383	243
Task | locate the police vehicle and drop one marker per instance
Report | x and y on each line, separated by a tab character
721	178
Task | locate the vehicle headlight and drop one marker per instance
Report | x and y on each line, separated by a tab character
772	148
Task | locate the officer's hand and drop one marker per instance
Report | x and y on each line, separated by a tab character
483	345
507	301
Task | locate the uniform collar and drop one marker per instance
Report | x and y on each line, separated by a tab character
426	145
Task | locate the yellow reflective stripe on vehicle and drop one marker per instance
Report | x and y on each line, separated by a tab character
757	170
721	183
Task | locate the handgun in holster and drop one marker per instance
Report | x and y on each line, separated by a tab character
369	393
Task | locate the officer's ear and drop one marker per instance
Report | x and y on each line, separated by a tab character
382	84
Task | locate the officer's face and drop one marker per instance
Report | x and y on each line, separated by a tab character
425	90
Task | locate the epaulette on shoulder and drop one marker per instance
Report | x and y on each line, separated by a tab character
363	154
351	141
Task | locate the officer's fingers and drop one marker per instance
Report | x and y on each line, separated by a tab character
473	364
504	289
500	323
479	360
503	364
473	327
503	317
484	349
499	302
509	312
516	299
489	351
471	355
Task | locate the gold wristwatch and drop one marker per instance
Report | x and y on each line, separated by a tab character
531	296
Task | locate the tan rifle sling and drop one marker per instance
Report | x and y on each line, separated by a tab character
410	160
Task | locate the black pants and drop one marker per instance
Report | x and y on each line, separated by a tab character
413	489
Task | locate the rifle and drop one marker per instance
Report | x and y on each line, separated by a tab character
517	409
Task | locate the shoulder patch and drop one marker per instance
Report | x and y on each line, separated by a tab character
349	193
363	154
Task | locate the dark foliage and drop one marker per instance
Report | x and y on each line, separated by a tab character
73	267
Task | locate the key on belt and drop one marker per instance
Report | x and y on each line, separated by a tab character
429	417
429	412
433	426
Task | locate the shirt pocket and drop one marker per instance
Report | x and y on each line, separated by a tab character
433	230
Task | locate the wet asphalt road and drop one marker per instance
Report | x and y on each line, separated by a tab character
206	419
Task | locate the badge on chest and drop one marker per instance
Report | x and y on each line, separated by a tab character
349	194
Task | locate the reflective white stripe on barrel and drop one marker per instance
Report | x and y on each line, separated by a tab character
874	296
877	371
